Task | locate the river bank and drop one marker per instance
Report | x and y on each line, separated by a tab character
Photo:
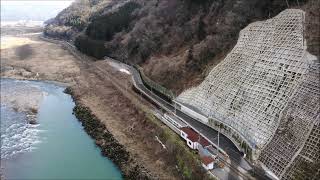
55	64
121	124
45	150
109	146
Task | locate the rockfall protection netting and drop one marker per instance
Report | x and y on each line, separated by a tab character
267	89
297	139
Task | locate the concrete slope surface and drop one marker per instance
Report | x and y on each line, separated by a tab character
266	94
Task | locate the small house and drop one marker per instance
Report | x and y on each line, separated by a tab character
203	142
190	136
194	139
207	162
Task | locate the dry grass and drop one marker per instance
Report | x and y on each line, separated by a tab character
13	42
42	60
24	51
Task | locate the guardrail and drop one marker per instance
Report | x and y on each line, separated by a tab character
135	70
168	110
228	134
161	91
163	119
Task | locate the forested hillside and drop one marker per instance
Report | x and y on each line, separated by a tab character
176	42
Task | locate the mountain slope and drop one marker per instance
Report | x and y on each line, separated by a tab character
175	41
266	92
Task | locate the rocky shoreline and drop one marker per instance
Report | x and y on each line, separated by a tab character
132	147
109	146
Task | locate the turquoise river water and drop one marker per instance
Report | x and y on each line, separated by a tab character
56	148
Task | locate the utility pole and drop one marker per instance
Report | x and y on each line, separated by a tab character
175	106
218	140
199	138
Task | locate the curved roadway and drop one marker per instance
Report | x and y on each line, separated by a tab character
236	157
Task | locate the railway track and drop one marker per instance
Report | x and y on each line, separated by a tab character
87	64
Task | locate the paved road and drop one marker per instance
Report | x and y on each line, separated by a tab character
211	134
208	132
235	156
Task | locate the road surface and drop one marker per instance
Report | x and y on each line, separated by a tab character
236	157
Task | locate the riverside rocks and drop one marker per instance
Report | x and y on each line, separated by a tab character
32	121
32	116
109	146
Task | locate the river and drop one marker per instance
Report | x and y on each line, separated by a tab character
55	148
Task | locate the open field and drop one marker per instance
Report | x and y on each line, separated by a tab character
28	57
116	105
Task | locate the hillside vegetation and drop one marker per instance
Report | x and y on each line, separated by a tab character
176	42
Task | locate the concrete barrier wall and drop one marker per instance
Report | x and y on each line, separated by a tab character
193	114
